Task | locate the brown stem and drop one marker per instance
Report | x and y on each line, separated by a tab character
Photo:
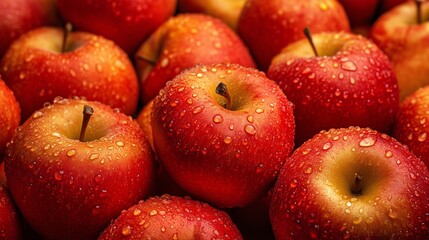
67	30
419	10
148	61
222	90
357	187
307	34
87	113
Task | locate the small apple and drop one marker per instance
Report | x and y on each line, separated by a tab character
347	82
412	124
20	16
10	116
70	175
126	22
10	223
403	38
351	183
226	10
45	63
183	42
268	26
222	132
170	217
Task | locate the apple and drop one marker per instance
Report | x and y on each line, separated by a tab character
71	174
268	26
44	64
2	175
10	116
170	217
351	183
412	123
10	222
143	120
183	42
404	41
389	4
126	22
226	10
222	132
350	82
20	16
360	12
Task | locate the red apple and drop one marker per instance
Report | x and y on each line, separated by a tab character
70	182
143	120
226	10
360	12
351	183
183	42
10	116
404	41
126	22
222	132
389	4
349	83
20	16
412	124
38	69
268	26
169	217
10	224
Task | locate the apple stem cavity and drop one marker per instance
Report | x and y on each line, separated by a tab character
67	30
146	60
87	113
419	11
357	187
309	37
222	90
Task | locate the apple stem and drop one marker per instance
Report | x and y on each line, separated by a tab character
143	59
307	34
357	188
419	11
222	90
87	113
67	30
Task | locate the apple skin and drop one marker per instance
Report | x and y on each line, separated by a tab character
10	116
389	4
360	12
412	123
226	10
268	26
312	198
183	42
126	22
92	67
143	120
225	157
404	41
10	223
20	16
71	189
170	217
351	83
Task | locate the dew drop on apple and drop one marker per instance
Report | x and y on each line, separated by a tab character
294	183
137	212
97	178
227	139
422	137
367	142
153	212
392	214
58	175
327	146
126	230
217	118
412	175
250	129
120	144
94	156
308	170
349	66
388	153
71	152
197	109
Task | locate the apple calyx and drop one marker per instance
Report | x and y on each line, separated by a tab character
419	10
357	186
307	34
87	113
222	90
67	30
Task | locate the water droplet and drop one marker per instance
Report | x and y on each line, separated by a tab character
55	134
126	230
349	66
388	153
357	220
58	175
422	137
94	156
360	210
120	144
217	118
367	142
137	212
423	120
250	129
97	178
71	152
200	75
153	212
162	229
215	232
250	118
164	62
349	204
327	146
312	76
294	183
392	214
308	170
37	114
197	109
412	175
231	127
227	140
259	110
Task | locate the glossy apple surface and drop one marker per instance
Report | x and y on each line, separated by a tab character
317	195
37	70
183	42
350	83
170	217
268	26
10	222
10	116
126	22
225	153
412	123
71	189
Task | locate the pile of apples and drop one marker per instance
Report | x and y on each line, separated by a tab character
215	119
